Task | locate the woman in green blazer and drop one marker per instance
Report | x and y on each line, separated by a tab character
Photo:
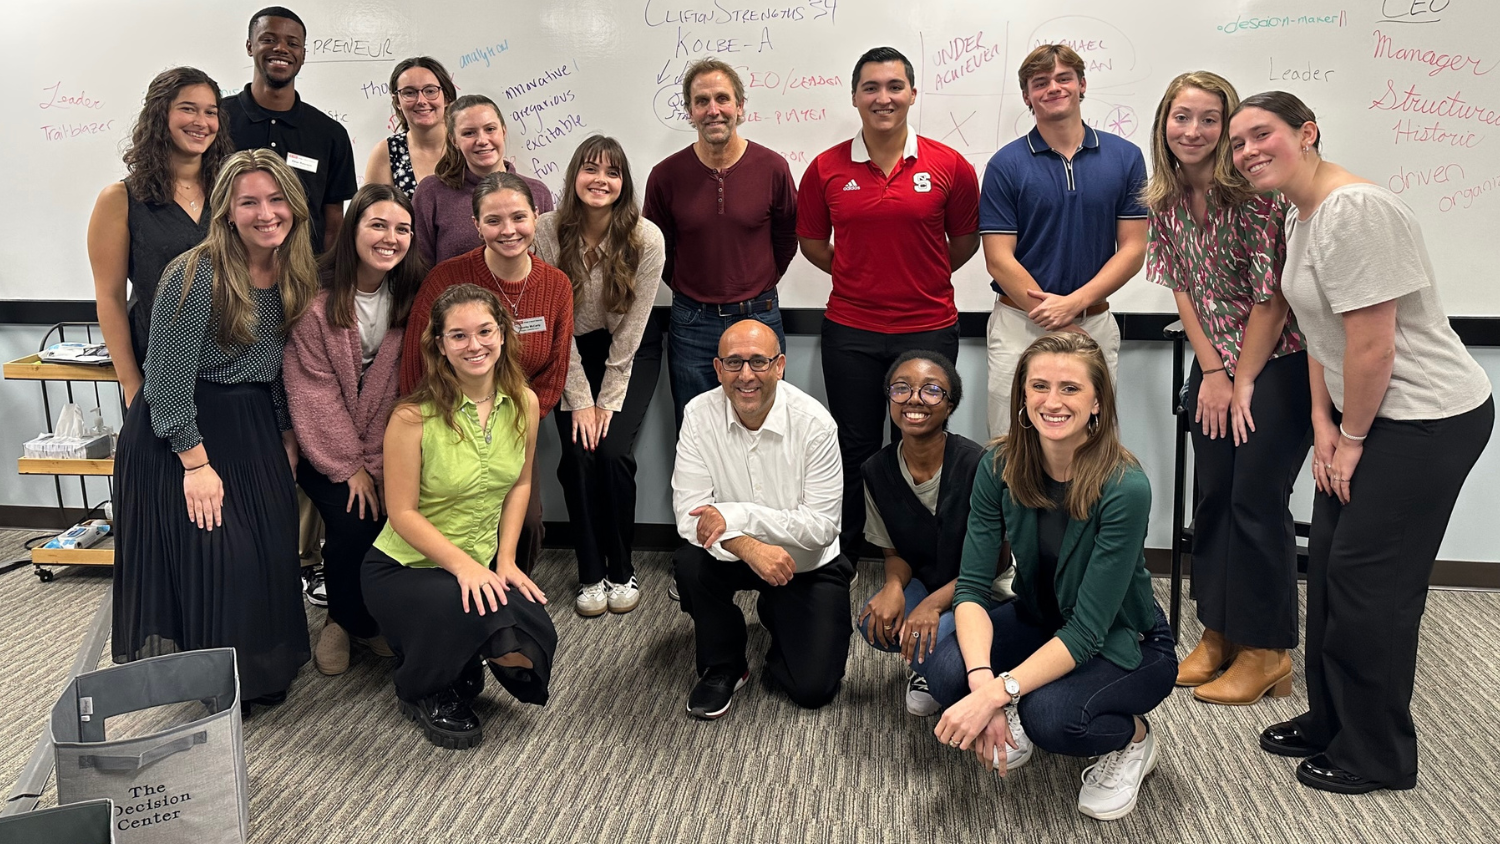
1076	660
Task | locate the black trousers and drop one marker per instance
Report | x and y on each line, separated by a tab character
599	485
1244	537
346	540
1368	566
808	619
854	366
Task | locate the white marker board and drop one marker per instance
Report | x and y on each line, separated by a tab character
1407	92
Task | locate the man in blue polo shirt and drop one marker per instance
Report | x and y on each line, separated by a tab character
1062	224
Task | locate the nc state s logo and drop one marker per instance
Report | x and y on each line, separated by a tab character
922	182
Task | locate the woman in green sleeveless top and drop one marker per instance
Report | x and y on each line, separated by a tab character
458	461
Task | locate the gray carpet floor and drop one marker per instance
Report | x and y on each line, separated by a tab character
614	758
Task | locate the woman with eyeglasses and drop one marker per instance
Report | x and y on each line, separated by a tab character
537	295
475	149
421	91
445	589
917	513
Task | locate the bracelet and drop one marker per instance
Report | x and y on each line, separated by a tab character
1350	437
1212	371
980	668
195	468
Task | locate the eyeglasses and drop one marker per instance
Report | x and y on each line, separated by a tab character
929	394
459	338
757	363
428	92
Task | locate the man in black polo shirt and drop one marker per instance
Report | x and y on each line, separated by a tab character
268	113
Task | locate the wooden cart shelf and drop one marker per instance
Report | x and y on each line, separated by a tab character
102	554
60	466
32	368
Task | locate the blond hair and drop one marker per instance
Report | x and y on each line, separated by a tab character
1167	183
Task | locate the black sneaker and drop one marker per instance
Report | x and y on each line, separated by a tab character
446	719
714	693
314	588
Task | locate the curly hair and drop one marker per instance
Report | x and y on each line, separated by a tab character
621	241
148	158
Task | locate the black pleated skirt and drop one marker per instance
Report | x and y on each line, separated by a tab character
420	613
178	587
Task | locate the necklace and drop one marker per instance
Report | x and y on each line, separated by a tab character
189	192
515	304
488	431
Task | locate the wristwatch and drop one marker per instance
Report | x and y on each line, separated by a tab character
1012	687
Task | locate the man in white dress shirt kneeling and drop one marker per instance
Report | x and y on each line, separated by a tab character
757	490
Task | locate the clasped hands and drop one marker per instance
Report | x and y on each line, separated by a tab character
1054	312
978	723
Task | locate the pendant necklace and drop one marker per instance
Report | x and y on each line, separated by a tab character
515	304
488	431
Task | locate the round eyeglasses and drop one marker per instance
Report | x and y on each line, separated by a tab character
757	363
929	394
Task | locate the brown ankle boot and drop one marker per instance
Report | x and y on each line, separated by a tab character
1200	666
1256	672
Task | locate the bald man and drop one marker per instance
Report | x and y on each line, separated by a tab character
757	491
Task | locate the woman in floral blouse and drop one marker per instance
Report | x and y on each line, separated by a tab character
1220	247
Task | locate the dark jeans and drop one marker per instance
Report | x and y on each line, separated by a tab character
1368	566
915	593
693	343
1244	537
347	538
808	619
599	485
1087	712
854	366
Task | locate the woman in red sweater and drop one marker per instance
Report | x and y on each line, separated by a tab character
340	374
537	294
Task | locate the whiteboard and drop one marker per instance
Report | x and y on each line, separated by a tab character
1406	91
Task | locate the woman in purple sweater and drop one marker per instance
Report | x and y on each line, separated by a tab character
341	369
444	215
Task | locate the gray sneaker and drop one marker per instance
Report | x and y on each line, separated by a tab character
593	599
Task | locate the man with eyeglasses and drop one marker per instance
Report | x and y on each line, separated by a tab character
757	491
269	114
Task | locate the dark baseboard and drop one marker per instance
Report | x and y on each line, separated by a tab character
1450	574
42	518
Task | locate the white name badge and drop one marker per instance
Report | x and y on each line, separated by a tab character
531	325
302	162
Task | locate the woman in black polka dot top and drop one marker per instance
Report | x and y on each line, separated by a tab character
206	522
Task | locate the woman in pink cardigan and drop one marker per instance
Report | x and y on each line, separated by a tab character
341	367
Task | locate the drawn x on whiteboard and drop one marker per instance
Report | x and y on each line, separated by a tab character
958	127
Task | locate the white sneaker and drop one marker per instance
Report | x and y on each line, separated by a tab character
1019	755
593	599
623	597
1111	784
919	701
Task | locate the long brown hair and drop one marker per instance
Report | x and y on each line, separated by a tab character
621	240
439	384
445	81
1100	459
148	158
339	266
233	296
452	166
1167	183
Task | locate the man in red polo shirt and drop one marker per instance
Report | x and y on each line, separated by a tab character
903	215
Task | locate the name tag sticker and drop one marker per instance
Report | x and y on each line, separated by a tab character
531	325
302	162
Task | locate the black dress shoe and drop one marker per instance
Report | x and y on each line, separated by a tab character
272	699
471	682
446	720
1320	772
1286	739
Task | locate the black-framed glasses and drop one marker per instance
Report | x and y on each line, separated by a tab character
759	363
428	92
929	394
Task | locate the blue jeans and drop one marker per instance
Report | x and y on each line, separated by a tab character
693	342
1087	712
915	593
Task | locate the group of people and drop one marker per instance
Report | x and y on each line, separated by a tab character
400	377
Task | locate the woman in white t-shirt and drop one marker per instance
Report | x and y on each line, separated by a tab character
1401	412
341	373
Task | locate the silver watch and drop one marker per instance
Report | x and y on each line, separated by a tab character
1012	687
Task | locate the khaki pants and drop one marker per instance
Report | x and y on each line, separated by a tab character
309	531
